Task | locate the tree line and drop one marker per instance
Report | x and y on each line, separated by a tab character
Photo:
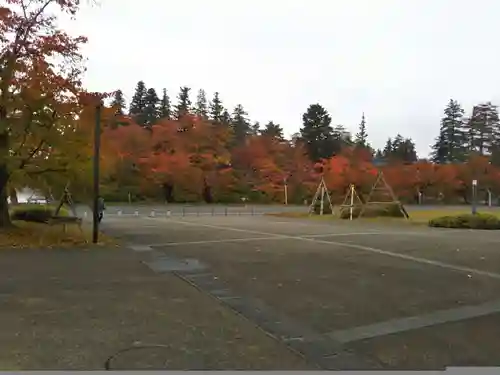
256	162
322	137
191	150
462	136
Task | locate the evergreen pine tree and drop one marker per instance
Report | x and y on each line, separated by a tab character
273	130
399	149
201	107
165	109
440	150
240	124
151	107
255	128
388	149
225	118
404	150
138	104
341	138
450	145
183	106
495	144
119	102
317	132
361	138
482	128
216	110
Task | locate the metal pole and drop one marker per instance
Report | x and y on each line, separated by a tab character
97	146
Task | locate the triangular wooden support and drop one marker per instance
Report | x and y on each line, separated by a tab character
382	185
351	200
66	199
320	194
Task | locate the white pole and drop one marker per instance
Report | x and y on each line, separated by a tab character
322	196
286	191
489	198
352	202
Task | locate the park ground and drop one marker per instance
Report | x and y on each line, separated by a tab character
248	291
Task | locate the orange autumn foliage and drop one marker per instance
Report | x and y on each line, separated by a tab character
193	154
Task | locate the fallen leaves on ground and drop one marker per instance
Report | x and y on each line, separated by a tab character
30	235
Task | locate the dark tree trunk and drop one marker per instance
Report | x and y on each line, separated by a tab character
13	196
207	192
168	190
4	205
4	179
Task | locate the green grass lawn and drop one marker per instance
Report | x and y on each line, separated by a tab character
416	216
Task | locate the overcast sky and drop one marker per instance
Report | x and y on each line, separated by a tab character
399	61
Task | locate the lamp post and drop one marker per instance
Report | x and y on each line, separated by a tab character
97	146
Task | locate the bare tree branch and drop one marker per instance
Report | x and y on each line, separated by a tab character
33	152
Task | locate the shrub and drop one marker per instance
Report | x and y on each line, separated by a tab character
373	210
326	208
466	221
36	213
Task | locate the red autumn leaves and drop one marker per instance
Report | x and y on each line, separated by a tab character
193	152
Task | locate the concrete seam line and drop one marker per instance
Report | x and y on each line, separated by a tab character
399	325
229	240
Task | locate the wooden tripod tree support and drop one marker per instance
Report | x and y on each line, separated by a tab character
382	185
56	219
66	199
320	194
349	201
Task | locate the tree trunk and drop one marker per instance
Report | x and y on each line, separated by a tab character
4	205
168	190
4	179
13	196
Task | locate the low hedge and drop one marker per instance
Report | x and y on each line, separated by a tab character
466	221
36	213
373	210
327	210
